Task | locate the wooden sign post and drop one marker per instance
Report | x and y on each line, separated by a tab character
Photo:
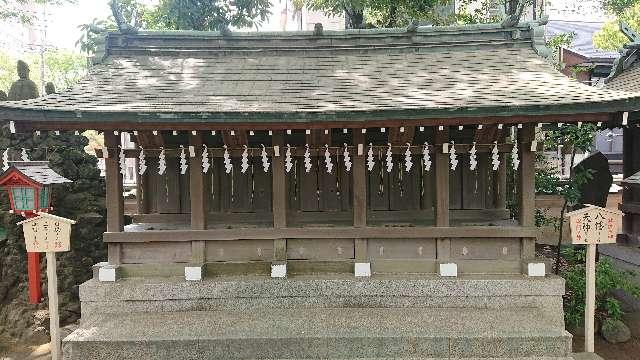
590	226
50	234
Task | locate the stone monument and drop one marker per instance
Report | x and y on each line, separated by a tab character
23	88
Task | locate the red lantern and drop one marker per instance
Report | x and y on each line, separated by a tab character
28	184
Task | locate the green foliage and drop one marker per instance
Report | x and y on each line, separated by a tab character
14	10
62	68
555	43
483	13
206	15
608	279
610	37
378	13
617	7
546	177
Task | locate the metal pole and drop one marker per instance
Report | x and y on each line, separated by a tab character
54	318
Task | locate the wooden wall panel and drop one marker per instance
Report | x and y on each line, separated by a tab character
320	249
455	185
156	252
486	249
239	250
428	201
402	248
307	190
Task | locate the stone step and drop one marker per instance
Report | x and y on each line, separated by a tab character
336	291
321	333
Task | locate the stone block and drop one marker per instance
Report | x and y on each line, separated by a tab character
108	273
279	270
362	269
95	269
449	270
193	273
536	269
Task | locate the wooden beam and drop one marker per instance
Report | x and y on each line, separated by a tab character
71	121
442	178
329	233
316	149
279	199
114	199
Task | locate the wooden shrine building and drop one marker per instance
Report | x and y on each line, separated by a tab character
380	151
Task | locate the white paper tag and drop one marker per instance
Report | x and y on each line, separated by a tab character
276	151
364	131
440	128
105	153
308	132
625	118
155	132
251	132
360	149
192	151
421	128
401	129
12	127
534	146
383	130
445	148
135	132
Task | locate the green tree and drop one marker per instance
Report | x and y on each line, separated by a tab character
379	13
201	15
206	15
610	37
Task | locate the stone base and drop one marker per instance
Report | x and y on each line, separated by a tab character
328	317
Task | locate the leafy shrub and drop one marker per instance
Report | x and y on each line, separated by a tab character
608	279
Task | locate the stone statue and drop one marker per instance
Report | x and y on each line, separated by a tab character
3	96
49	88
24	88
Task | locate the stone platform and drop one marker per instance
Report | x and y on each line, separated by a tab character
328	317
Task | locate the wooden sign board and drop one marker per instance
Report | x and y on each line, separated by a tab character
594	225
47	233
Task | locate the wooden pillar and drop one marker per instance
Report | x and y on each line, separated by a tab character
279	193
526	186
442	178
443	245
197	197
526	175
115	201
360	191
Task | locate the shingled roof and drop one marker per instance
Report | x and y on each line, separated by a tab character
353	76
38	171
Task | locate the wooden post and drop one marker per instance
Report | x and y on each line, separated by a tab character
360	192
54	318
279	190
526	179
590	298
197	197
115	202
442	178
526	187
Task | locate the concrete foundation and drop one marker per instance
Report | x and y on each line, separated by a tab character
328	317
